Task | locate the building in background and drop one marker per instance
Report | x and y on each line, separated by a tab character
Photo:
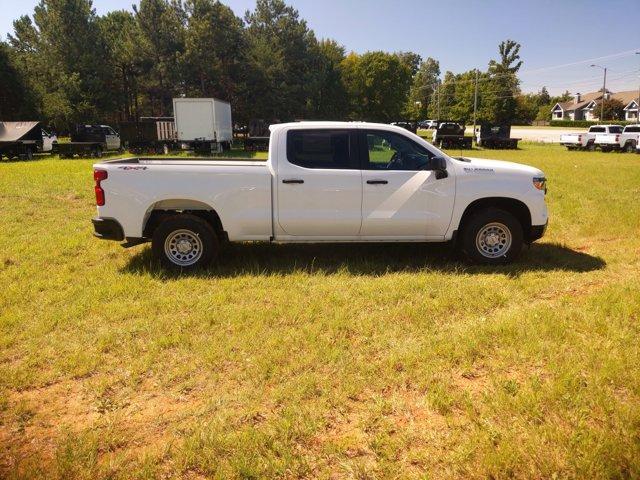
582	107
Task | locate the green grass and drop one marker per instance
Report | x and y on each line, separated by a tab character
387	361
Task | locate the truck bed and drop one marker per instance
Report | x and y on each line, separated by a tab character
186	161
238	190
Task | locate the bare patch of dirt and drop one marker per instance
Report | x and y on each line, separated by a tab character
38	420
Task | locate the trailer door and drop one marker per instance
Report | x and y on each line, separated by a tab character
194	119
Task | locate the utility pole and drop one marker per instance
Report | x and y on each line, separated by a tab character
638	101
604	90
475	108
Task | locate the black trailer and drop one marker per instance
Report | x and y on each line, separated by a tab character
20	139
149	135
495	136
90	140
450	134
411	125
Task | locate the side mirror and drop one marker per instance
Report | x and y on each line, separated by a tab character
438	164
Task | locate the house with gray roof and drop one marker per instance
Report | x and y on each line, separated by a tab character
583	107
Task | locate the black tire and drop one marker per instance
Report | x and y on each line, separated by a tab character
29	154
591	147
200	238
503	227
630	146
97	152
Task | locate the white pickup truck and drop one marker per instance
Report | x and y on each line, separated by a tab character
323	182
626	139
587	140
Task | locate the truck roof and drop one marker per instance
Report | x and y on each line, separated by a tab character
335	124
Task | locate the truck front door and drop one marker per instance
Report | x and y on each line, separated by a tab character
112	139
319	183
401	196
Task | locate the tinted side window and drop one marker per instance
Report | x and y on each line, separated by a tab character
391	151
329	149
597	130
615	129
632	129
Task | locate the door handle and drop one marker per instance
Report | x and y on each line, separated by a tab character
292	180
377	182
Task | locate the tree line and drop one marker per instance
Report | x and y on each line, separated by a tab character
65	64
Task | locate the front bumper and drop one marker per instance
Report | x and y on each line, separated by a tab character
537	231
107	229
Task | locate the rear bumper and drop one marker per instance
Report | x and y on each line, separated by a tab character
537	231
107	229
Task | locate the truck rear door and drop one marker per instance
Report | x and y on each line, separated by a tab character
319	183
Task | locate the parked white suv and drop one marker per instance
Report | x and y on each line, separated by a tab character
323	182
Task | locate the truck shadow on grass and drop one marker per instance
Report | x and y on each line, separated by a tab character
365	259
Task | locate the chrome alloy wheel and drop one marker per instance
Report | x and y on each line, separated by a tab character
183	247
493	240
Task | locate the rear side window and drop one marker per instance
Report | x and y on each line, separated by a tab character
632	129
597	130
327	149
615	129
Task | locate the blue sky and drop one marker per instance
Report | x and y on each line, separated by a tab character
560	38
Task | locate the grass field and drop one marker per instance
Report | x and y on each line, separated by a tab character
322	361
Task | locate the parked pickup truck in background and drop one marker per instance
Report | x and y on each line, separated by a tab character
586	140
626	139
323	182
90	140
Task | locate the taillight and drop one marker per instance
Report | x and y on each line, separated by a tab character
579	138
98	176
617	138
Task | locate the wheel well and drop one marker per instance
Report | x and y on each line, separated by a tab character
511	205
210	216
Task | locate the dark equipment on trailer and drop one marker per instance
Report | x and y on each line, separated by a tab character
258	137
20	139
90	140
411	125
450	134
149	135
495	136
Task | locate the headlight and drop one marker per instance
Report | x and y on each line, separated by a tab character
540	183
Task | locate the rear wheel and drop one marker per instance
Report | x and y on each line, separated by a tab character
492	236
185	242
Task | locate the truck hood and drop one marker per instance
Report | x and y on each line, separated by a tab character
482	166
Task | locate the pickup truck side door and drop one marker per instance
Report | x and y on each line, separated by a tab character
112	139
319	183
401	196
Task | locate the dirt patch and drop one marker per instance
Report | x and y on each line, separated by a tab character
37	421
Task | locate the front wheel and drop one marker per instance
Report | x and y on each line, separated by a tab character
492	236
184	242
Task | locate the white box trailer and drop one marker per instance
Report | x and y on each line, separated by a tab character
200	121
